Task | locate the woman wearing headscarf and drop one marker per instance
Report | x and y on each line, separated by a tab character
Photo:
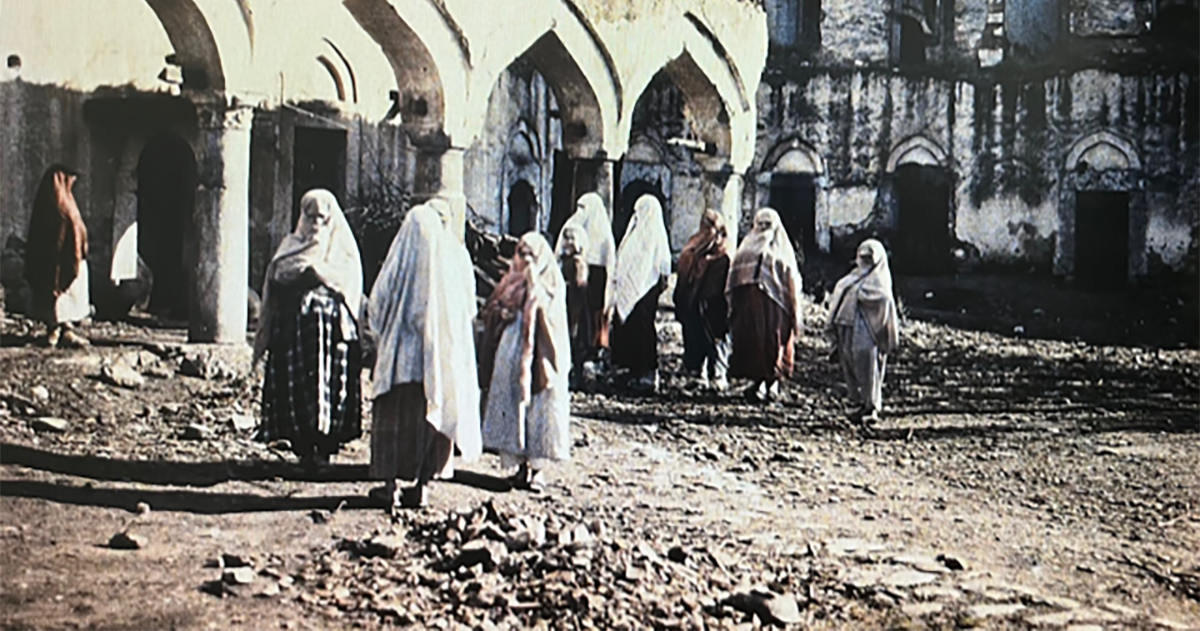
524	364
56	258
309	331
594	237
700	304
572	259
764	297
643	265
426	393
864	326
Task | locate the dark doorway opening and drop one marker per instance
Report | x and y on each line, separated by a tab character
522	208
166	200
923	220
1102	238
562	192
629	196
318	161
912	43
794	197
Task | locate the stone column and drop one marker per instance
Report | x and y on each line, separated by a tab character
452	188
220	239
731	205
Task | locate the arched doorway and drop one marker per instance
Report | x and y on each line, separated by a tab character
166	199
922	220
522	208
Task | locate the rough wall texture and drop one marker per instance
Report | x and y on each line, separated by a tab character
1017	141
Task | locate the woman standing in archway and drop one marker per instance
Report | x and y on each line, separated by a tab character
308	328
56	258
764	297
643	265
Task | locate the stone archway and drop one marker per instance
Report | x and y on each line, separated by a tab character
792	181
682	128
921	187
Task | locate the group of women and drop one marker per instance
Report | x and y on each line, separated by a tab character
448	380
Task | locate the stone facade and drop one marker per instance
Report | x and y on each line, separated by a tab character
197	124
1005	133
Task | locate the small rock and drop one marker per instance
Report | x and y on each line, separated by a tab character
238	576
1056	619
383	546
121	375
769	607
319	516
232	560
270	591
918	610
1167	623
142	508
195	431
677	554
996	610
909	578
951	563
50	424
40	393
243	422
126	541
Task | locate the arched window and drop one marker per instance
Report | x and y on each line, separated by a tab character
912	43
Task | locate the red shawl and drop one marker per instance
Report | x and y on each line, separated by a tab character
705	247
57	242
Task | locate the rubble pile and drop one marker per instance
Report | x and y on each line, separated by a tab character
486	567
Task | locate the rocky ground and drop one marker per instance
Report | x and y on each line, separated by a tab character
1037	477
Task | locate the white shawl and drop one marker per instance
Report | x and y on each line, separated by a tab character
323	242
644	256
591	219
421	310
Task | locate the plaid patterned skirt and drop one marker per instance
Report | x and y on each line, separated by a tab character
312	393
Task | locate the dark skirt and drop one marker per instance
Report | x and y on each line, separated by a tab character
311	390
634	341
763	336
597	281
403	444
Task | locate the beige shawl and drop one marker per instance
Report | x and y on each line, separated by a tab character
324	243
766	260
597	243
868	290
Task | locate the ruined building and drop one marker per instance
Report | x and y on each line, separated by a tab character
198	124
1054	134
1057	134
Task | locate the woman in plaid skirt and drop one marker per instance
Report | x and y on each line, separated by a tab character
309	332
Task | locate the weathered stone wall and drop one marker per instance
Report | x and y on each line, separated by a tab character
1004	134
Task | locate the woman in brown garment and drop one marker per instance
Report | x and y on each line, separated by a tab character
764	295
56	258
700	305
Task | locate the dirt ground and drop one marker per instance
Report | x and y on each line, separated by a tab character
1036	467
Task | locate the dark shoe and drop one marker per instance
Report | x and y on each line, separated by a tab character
413	496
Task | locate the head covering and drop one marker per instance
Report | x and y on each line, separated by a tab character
422	318
58	241
867	289
706	246
766	259
644	256
591	219
534	287
323	242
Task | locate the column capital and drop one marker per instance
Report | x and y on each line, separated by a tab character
221	117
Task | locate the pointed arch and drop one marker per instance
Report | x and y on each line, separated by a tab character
793	155
1102	151
195	46
582	117
427	57
916	150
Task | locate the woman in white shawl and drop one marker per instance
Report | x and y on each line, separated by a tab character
426	394
593	236
764	298
864	326
308	328
524	364
643	266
